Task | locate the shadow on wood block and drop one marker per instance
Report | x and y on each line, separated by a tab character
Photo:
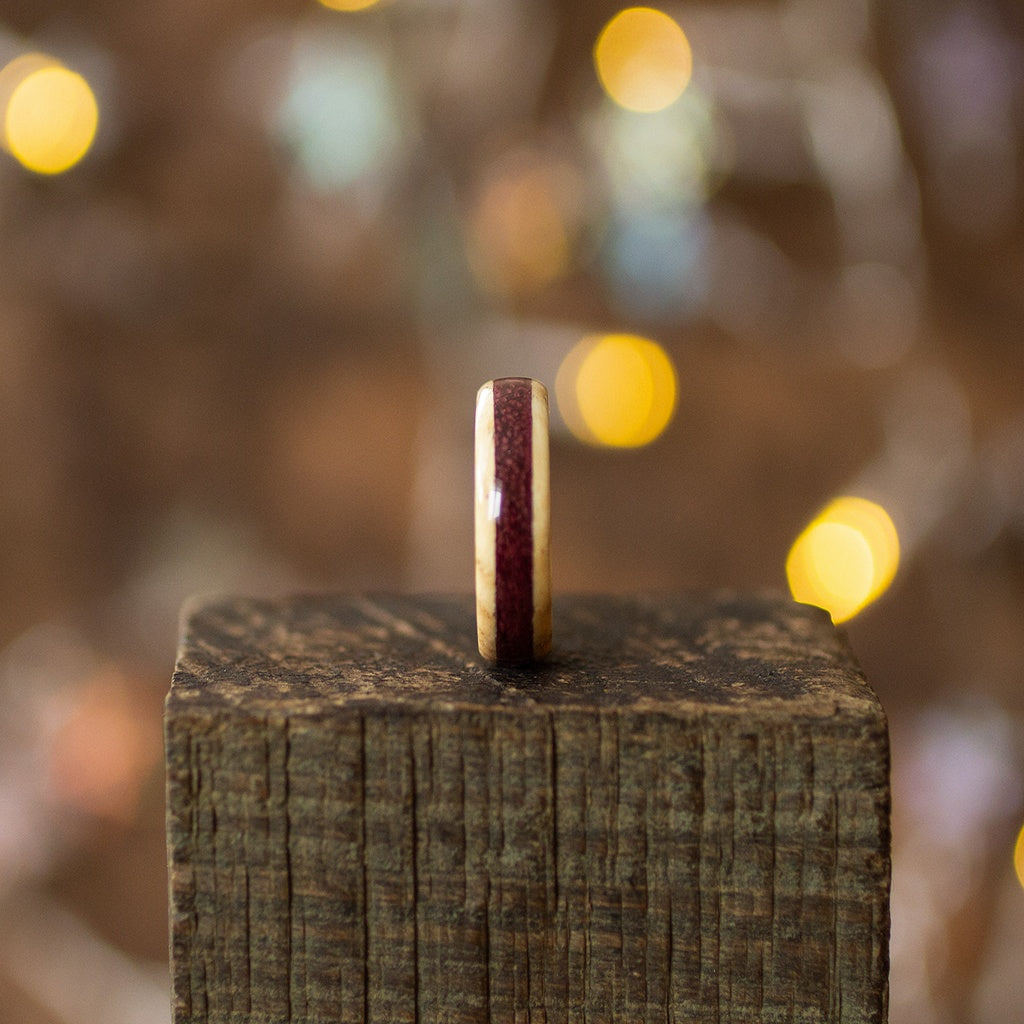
682	816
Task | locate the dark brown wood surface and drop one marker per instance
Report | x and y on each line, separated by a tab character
683	815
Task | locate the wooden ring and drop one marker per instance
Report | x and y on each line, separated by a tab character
512	510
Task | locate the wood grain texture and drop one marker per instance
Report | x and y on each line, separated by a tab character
683	815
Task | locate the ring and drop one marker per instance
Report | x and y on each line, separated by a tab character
512	520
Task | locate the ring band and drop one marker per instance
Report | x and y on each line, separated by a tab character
512	520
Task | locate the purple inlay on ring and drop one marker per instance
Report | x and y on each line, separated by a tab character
513	535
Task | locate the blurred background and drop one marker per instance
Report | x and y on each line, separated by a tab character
255	260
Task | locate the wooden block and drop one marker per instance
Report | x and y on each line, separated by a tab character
681	816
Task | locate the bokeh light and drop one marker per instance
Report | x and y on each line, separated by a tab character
675	155
1018	856
845	558
348	5
616	390
50	114
661	169
655	263
103	747
519	234
339	115
643	59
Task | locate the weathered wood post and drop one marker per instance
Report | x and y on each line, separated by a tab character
682	816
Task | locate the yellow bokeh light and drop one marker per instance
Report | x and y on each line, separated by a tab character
643	59
616	390
1018	856
50	119
348	5
845	558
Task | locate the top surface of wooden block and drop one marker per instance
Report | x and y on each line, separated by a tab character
684	654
